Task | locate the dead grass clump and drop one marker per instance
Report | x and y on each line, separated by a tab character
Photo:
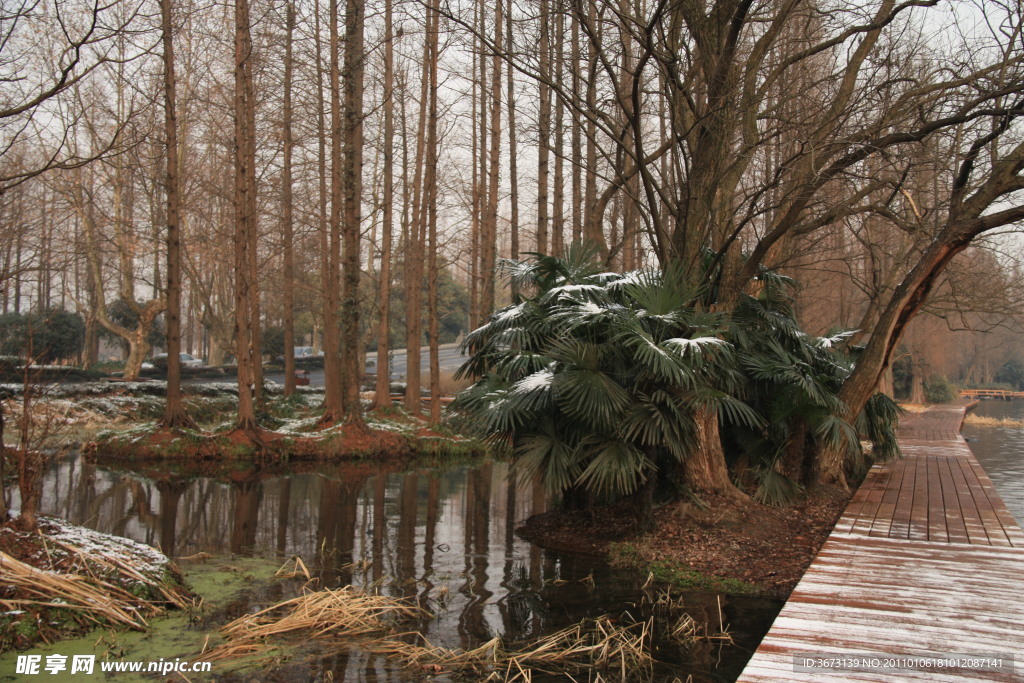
95	600
981	421
347	611
451	386
601	643
91	591
682	627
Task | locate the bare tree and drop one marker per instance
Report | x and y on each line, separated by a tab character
46	53
174	410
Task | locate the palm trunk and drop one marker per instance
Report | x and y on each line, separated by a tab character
705	469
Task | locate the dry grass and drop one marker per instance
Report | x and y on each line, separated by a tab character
93	599
684	628
451	386
981	421
348	612
601	643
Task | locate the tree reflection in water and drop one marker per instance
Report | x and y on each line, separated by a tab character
446	537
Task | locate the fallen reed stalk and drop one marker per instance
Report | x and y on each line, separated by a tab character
347	612
600	643
94	599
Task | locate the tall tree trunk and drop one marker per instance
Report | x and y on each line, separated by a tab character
431	200
414	254
244	184
558	199
287	218
353	199
513	178
488	241
576	134
174	409
382	396
543	127
323	232
593	227
333	367
478	145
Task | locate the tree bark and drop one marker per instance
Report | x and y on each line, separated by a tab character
353	201
431	200
543	127
333	365
513	178
382	395
287	209
244	221
705	469
174	409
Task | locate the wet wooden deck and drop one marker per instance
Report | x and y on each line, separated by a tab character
926	562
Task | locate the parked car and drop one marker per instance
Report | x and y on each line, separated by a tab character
187	360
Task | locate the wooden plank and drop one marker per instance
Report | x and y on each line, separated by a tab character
883	525
920	565
904	506
956	528
919	510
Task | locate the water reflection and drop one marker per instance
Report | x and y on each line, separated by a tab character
444	537
999	449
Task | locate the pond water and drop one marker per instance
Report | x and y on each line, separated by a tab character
1000	450
446	537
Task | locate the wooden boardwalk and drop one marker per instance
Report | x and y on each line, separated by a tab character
926	563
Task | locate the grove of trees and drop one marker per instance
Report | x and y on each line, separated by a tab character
231	168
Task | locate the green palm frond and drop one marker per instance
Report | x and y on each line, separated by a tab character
878	422
835	432
592	396
615	467
514	366
532	393
550	456
650	358
774	488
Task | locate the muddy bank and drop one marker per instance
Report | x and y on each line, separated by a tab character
745	548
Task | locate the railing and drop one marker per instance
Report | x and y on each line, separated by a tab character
1004	394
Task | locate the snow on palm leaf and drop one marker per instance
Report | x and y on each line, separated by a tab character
592	397
594	379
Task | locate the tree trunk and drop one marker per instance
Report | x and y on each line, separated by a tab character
174	409
287	208
543	127
333	367
705	469
243	243
512	161
353	200
382	395
431	199
414	254
488	237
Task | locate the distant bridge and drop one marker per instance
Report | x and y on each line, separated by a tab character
1004	394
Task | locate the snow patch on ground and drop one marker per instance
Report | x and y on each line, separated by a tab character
148	561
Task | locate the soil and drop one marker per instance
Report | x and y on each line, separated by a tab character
769	547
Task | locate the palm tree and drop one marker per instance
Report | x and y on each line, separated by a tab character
593	379
792	380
